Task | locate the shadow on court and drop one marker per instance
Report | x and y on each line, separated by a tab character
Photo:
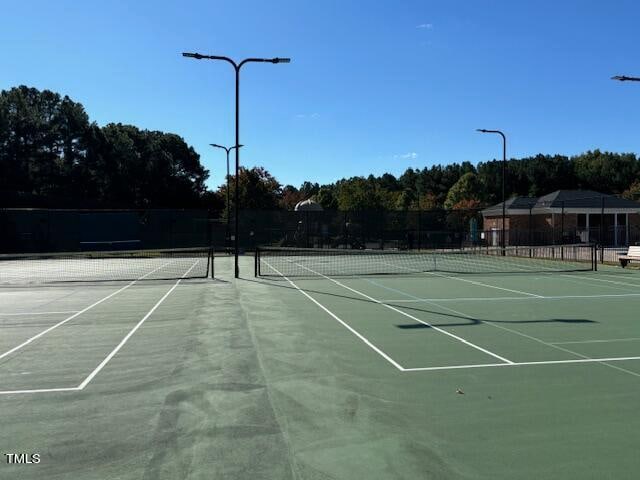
466	320
477	321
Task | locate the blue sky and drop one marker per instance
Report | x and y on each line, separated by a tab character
373	87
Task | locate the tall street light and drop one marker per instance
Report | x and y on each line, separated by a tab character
227	150
237	67
504	176
624	78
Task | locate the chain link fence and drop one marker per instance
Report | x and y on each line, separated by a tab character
606	221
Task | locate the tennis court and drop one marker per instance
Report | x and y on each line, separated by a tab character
325	365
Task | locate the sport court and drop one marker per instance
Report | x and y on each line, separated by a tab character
337	372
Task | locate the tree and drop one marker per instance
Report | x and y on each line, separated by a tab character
633	192
326	197
50	154
465	189
290	197
308	189
148	168
389	182
605	171
427	201
42	141
358	193
406	199
259	190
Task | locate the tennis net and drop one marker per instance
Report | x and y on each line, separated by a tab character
302	262
121	265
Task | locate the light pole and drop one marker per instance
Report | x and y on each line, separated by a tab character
624	78
227	150
237	67
504	175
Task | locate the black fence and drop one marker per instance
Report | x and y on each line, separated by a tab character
42	230
432	229
363	229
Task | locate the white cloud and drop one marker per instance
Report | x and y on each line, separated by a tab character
407	156
427	26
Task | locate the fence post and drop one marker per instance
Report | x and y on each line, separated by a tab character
306	228
530	229
419	229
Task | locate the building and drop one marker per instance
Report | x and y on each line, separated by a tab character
564	216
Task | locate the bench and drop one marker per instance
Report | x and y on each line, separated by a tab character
632	254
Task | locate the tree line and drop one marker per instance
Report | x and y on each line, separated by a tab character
467	186
52	155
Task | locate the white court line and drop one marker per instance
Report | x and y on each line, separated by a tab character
35	313
607	281
493	299
39	390
516	332
630	276
90	377
80	312
390	307
520	364
473	282
81	386
630	339
339	320
486	365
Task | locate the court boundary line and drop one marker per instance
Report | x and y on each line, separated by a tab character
365	340
474	282
609	281
28	314
40	390
583	360
491	299
106	360
513	331
408	315
630	339
78	313
601	361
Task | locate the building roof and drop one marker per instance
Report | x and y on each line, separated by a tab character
563	199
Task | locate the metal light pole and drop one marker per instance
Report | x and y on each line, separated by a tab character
227	150
620	78
237	67
624	78
504	175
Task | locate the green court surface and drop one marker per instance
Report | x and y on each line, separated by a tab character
445	376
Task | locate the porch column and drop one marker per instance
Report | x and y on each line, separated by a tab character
588	229
627	230
615	229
